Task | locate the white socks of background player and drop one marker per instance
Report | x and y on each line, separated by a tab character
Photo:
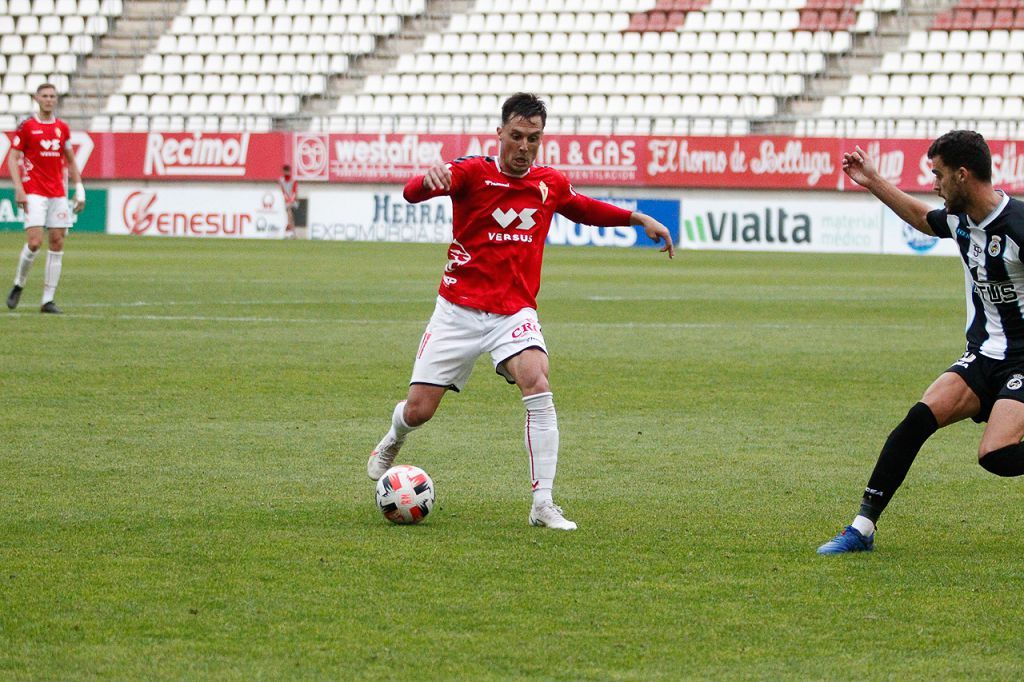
28	256
52	275
541	444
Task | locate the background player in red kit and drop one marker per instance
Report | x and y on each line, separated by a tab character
290	191
40	151
502	210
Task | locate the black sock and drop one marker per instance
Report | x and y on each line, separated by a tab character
1008	461
897	455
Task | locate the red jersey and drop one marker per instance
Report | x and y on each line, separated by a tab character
499	225
289	188
42	166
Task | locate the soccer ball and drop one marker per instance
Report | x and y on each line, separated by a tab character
405	494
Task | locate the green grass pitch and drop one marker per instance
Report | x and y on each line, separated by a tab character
183	490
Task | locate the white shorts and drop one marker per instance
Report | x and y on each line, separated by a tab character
456	336
48	212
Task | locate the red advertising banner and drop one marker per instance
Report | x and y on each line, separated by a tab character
750	162
175	156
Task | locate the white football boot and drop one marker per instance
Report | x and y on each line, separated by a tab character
549	515
382	458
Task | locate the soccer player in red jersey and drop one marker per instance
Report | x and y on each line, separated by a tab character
290	191
40	153
502	210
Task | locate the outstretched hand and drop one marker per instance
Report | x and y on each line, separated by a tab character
657	232
859	166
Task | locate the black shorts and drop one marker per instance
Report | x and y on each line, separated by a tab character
991	380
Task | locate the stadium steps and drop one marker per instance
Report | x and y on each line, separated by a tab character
414	31
892	33
119	52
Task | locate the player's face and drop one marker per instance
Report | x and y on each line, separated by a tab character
949	184
520	140
47	100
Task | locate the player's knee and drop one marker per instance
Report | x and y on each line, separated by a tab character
34	243
418	413
535	385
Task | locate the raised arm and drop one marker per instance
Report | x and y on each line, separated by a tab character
434	183
861	169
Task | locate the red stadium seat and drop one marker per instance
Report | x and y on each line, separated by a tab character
829	20
657	21
847	19
1003	18
943	21
638	23
983	19
809	20
963	20
1018	19
675	19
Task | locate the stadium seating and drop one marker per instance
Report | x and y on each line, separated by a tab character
240	63
625	66
42	41
966	70
682	66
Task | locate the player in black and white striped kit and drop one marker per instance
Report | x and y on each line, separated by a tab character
987	382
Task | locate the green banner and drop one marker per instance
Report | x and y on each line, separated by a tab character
92	219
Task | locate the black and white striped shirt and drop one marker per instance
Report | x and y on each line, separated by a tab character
993	274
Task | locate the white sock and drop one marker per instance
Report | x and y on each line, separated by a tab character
399	429
25	261
52	276
541	444
864	525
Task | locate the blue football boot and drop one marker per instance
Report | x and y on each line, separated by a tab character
849	540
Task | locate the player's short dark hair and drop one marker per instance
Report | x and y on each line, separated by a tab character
964	149
525	105
46	86
286	167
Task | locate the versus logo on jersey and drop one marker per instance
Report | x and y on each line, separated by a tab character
507	218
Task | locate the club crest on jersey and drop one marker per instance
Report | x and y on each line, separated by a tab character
457	255
543	191
1015	382
995	245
